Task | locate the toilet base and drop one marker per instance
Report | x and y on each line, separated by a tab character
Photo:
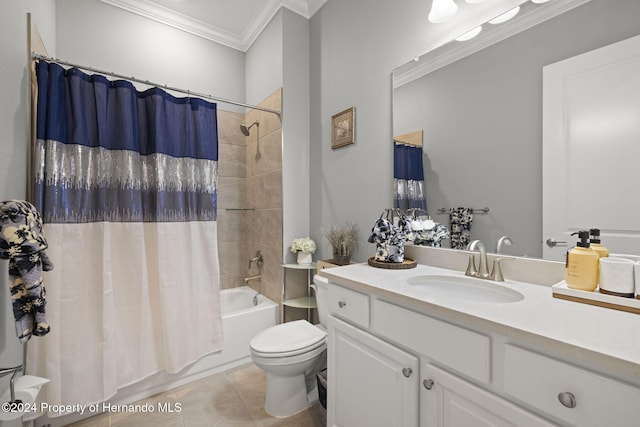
285	396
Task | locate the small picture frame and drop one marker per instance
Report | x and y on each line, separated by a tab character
343	128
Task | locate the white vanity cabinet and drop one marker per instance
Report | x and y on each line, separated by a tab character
446	400
371	383
394	361
577	396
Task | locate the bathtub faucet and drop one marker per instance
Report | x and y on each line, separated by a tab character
258	260
256	277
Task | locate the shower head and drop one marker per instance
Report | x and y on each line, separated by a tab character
245	129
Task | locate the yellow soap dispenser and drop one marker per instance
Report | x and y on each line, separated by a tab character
594	241
582	265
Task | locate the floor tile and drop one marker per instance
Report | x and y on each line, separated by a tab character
234	398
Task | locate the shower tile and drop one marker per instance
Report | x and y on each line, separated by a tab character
232	193
229	128
232	225
270	159
232	161
273	189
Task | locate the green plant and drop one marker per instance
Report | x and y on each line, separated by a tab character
343	238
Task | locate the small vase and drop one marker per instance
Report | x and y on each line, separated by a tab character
341	259
304	258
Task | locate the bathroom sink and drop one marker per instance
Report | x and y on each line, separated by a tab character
465	288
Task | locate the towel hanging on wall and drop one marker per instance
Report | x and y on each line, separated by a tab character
460	219
23	244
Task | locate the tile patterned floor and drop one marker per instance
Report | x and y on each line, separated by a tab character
230	399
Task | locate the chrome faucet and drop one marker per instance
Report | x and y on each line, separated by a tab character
504	240
482	270
255	277
259	261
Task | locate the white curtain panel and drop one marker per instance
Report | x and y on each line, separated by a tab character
117	320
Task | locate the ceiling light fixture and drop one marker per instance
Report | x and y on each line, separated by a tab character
539	1
505	16
469	34
442	11
480	1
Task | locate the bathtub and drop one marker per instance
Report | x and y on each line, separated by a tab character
241	321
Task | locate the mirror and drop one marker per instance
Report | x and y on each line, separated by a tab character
479	104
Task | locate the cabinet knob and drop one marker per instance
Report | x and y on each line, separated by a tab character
341	304
428	383
567	399
407	372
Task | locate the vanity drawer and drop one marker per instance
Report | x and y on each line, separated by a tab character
349	305
460	349
575	395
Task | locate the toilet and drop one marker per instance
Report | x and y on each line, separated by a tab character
292	354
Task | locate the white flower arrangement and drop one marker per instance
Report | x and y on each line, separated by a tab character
303	244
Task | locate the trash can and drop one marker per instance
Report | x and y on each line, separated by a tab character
321	377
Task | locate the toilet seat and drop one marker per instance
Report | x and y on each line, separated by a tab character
288	339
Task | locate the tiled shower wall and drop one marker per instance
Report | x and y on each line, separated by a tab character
250	197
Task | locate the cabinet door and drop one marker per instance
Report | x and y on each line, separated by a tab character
370	382
447	400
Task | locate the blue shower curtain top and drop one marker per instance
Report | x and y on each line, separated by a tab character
407	163
108	152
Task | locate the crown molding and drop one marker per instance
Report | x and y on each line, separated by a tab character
241	42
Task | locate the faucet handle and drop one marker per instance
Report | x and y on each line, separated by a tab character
471	267
496	272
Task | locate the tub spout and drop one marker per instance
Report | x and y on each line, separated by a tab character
256	277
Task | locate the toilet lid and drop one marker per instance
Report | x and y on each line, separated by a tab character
287	338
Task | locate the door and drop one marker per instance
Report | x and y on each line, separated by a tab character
370	382
448	401
591	149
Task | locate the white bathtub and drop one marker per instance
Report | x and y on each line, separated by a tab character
241	320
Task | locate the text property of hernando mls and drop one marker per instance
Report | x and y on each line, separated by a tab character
43	407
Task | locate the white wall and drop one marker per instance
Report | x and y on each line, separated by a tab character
14	122
355	45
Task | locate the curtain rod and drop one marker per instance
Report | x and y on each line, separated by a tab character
147	82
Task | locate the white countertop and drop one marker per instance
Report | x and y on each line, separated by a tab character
584	328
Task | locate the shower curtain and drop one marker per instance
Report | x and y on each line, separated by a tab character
126	185
408	174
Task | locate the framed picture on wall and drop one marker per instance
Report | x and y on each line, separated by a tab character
343	128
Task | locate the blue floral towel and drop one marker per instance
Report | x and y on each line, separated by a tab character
23	244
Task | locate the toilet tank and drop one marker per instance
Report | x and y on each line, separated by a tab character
320	287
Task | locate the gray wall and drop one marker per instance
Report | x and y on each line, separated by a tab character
87	34
14	122
355	45
482	118
295	127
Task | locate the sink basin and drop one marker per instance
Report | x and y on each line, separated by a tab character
465	288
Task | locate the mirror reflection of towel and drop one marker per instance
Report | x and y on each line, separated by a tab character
460	219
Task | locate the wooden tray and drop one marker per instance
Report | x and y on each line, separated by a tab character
562	291
407	263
